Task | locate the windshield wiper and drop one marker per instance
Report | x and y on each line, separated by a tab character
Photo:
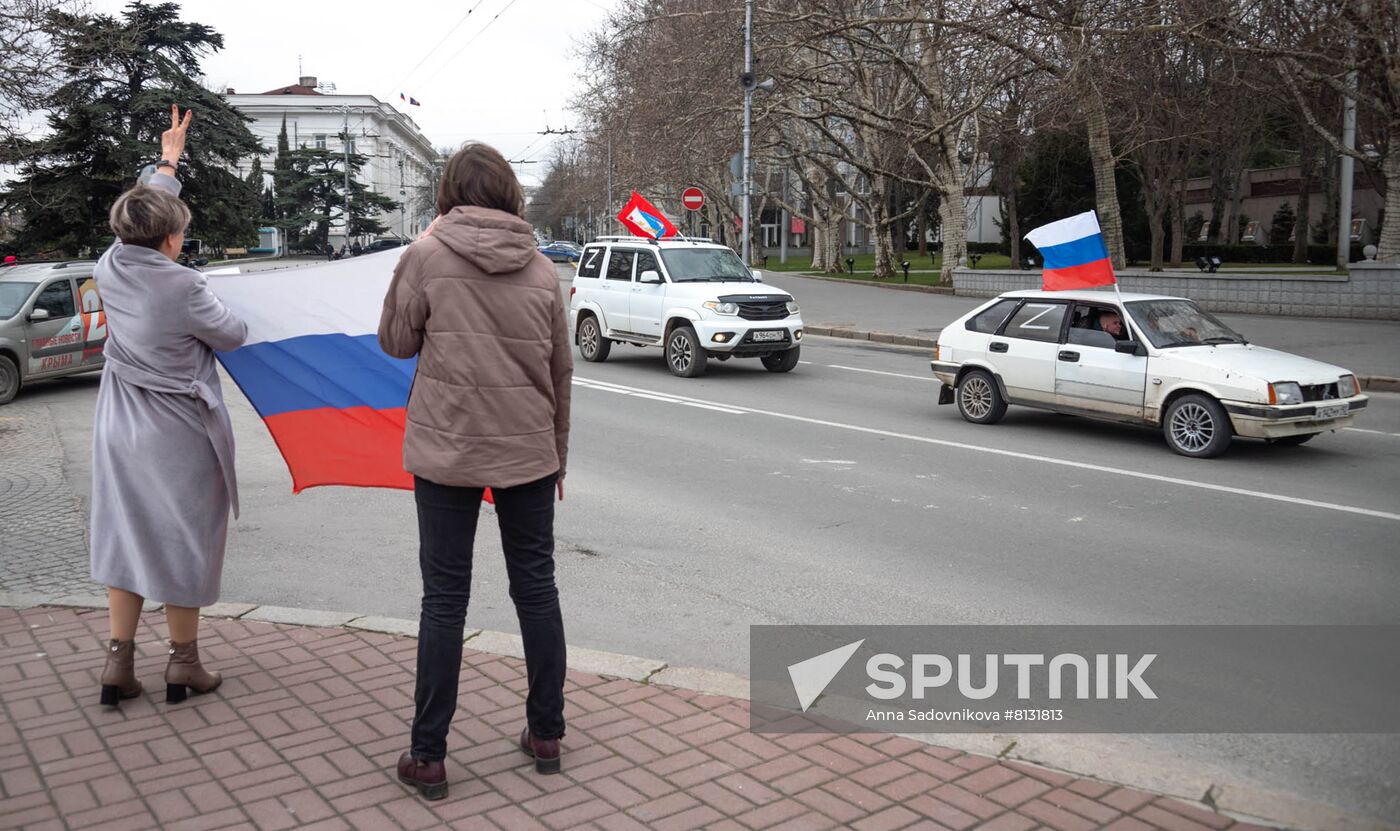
1223	339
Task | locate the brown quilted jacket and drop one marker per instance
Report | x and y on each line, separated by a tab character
482	310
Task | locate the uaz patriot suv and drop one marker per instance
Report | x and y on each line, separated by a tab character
694	298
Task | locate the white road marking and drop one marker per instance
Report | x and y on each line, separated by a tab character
666	399
1372	432
1032	457
882	372
828	461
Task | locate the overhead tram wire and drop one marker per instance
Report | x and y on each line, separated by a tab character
471	40
439	44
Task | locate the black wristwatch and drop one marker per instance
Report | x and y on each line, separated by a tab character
165	163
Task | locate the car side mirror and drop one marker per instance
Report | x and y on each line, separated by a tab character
650	276
1130	347
39	315
758	276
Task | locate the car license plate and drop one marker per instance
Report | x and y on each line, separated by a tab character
771	335
1334	411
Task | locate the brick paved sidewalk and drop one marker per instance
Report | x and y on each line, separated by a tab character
310	721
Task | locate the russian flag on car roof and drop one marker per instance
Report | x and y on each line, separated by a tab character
1074	252
312	368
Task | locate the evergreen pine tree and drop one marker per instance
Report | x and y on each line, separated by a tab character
119	76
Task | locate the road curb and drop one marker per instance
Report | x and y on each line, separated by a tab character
850	282
1242	802
1379	383
874	337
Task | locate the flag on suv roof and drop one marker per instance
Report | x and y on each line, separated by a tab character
644	219
333	401
1074	253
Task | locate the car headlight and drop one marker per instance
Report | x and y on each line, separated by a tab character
719	308
1347	386
1287	392
792	307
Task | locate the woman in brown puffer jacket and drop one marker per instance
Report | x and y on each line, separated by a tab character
481	308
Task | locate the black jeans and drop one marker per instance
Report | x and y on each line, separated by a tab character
446	531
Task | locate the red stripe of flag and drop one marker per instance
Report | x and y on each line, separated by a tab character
1096	273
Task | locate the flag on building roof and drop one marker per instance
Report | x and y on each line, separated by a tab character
414	101
333	401
402	98
644	219
1074	253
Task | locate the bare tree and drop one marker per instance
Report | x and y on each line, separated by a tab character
27	57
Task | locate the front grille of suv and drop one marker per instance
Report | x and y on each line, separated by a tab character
763	310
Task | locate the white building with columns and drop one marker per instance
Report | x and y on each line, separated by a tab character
400	157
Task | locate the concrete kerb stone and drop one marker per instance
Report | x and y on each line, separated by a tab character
710	682
232	611
393	626
1379	383
93	601
299	617
879	285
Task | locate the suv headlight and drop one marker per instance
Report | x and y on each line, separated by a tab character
1347	386
792	307
1287	392
721	308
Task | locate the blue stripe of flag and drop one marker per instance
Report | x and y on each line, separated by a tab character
1075	252
316	371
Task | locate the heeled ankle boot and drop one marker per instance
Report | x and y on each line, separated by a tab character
544	751
184	673
119	675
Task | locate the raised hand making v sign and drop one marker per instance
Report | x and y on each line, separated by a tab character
172	141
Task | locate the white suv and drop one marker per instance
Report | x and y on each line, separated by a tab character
693	297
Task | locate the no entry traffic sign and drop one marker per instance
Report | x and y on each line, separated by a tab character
693	199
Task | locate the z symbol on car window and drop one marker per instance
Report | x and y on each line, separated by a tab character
1031	323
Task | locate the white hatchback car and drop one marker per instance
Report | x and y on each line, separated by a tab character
694	298
1167	364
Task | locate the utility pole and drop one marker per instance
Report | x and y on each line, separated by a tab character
748	123
1348	174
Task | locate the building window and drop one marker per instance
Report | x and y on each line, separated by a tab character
320	141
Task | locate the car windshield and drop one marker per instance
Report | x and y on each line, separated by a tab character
705	265
1170	323
12	297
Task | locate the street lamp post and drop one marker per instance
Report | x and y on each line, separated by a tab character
748	122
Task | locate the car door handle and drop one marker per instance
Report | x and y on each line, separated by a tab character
1067	355
998	346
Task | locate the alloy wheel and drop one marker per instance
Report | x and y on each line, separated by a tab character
588	338
976	397
680	353
1192	427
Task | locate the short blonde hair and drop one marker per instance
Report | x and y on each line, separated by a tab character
145	216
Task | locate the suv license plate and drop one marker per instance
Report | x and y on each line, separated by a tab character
1334	411
771	335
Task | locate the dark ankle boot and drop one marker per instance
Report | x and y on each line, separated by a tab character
429	778
545	751
119	675
184	673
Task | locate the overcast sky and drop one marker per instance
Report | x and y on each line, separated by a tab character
500	79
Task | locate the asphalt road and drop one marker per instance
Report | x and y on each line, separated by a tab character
841	493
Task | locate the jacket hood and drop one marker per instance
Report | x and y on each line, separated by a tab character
494	241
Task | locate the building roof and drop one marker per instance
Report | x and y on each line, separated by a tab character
292	89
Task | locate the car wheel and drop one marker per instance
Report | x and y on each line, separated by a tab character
1292	441
685	357
978	398
591	344
781	361
9	379
1197	426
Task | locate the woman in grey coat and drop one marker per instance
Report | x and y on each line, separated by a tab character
162	449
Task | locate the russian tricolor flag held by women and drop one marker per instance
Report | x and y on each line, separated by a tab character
1074	252
312	367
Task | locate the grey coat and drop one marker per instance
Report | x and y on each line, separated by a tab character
162	446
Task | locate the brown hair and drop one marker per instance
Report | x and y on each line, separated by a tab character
145	216
479	175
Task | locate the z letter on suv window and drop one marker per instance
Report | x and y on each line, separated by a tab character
592	263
